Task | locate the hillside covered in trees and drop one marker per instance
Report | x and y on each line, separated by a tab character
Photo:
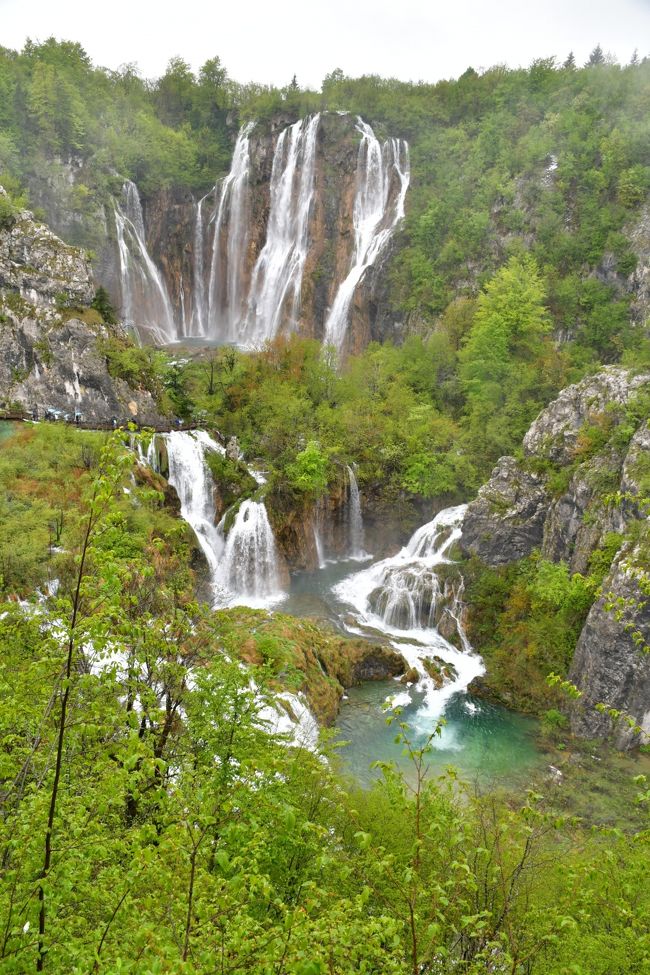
171	798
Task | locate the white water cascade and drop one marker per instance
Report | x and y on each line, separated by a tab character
355	519
145	301
375	218
274	298
249	572
399	596
198	322
226	296
190	475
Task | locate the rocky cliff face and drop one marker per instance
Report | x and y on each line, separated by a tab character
612	664
49	357
198	274
580	481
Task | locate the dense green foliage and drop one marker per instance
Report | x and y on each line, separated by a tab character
526	619
152	824
550	160
44	471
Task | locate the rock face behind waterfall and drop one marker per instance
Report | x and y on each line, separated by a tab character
49	359
579	485
170	221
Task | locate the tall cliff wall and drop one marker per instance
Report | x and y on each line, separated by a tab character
51	353
581	480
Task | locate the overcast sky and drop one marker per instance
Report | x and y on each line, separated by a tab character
265	41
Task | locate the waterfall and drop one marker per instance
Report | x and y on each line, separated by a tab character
145	301
226	293
190	475
198	323
399	597
274	298
318	542
376	214
249	571
355	518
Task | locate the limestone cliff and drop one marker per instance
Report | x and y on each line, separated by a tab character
193	264
580	481
49	357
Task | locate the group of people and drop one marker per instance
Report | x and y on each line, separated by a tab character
54	415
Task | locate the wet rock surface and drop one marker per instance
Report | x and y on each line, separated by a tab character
579	486
611	665
50	359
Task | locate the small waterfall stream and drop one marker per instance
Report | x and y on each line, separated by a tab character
355	518
374	218
249	573
190	475
226	298
145	301
244	565
399	597
198	324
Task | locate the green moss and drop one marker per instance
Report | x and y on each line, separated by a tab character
233	481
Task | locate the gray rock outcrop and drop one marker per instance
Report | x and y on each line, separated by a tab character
579	487
610	665
49	358
521	509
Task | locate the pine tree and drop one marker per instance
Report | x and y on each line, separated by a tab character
570	62
635	57
596	57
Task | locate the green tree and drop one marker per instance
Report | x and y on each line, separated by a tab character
501	363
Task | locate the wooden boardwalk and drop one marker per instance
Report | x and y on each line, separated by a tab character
17	417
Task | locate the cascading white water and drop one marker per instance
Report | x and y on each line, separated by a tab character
376	215
226	298
318	543
190	475
249	572
198	321
398	597
145	301
355	518
274	298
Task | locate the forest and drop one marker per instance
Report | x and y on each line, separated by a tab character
152	817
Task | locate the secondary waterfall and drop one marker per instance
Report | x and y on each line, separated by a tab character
145	301
374	218
190	475
226	297
274	299
399	596
355	518
198	322
249	571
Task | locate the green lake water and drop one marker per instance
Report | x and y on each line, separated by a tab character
488	745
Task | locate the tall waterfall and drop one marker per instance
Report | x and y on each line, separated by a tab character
198	321
245	282
274	298
355	518
145	301
190	475
249	571
374	218
226	298
399	596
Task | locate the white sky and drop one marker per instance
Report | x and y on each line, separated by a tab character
271	40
